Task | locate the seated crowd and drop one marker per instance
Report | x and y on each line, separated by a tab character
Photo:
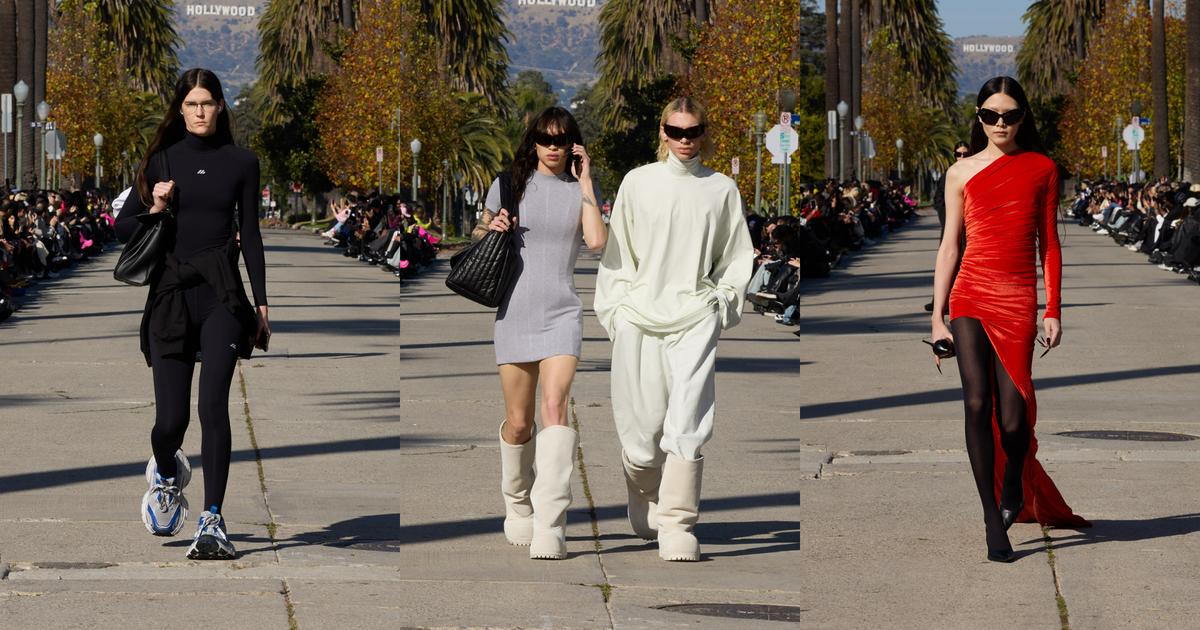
384	231
1158	219
834	219
45	232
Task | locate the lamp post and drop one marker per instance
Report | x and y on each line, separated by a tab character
445	197
43	112
399	145
842	111
1117	126
899	162
125	170
858	125
415	145
98	140
1136	110
760	125
20	92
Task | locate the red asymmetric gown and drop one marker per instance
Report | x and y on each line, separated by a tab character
1010	212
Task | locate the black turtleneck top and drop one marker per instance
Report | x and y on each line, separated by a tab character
213	181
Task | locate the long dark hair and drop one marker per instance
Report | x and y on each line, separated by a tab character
172	128
1027	133
525	160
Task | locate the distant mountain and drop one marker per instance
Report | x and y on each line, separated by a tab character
222	37
981	57
559	38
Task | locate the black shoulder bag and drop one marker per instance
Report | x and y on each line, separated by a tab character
145	251
484	271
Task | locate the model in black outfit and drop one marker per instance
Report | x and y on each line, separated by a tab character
196	309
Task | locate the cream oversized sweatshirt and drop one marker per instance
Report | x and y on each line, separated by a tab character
678	249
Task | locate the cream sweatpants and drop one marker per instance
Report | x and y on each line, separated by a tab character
663	390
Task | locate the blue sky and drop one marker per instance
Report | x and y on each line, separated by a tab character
983	17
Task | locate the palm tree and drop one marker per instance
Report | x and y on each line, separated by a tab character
1158	80
1191	123
482	150
1056	36
473	55
638	45
923	45
294	39
144	32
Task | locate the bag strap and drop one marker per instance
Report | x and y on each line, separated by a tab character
506	194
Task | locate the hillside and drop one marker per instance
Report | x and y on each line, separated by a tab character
557	40
220	36
980	58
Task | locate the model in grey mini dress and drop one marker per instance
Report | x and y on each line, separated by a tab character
542	315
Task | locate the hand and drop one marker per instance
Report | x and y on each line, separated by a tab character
263	334
1053	329
939	331
501	222
162	195
583	172
795	262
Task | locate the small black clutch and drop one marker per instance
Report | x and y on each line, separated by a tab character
942	348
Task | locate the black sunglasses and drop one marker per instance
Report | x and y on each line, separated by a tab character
551	140
960	154
1010	117
679	133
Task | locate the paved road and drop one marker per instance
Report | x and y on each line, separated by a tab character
892	530
316	479
364	489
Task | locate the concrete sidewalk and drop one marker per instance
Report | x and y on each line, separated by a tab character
893	535
364	489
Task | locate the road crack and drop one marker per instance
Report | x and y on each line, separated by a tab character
606	588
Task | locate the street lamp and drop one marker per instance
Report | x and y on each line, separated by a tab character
43	112
899	163
20	92
415	145
98	140
760	125
842	111
858	125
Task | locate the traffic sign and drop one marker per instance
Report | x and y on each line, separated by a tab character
296	187
56	145
735	165
379	154
795	118
785	118
1133	135
781	141
1103	152
6	112
831	131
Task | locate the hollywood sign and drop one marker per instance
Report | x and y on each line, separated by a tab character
223	10
989	48
579	4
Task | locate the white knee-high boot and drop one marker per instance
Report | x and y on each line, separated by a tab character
551	494
642	485
516	480
679	508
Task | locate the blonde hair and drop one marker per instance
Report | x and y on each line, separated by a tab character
686	105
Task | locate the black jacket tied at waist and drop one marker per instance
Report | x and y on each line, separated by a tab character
166	315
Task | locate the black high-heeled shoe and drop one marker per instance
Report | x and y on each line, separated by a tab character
1008	517
1001	555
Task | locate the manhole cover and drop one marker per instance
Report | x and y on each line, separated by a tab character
1135	436
766	612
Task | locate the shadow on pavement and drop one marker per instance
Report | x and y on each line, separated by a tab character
1132	530
825	410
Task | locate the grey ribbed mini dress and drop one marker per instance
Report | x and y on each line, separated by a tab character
542	315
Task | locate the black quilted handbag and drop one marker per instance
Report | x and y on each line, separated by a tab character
148	246
485	270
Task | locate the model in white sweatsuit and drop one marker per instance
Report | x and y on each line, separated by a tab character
673	275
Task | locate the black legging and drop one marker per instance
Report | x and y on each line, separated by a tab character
214	332
986	383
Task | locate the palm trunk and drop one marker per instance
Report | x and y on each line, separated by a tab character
831	79
1191	123
1158	81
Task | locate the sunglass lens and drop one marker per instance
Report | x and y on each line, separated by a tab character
679	133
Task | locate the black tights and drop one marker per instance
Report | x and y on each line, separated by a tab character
216	337
986	383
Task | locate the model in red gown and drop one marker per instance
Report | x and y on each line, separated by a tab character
1010	216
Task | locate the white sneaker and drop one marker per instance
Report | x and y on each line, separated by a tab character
210	541
164	508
